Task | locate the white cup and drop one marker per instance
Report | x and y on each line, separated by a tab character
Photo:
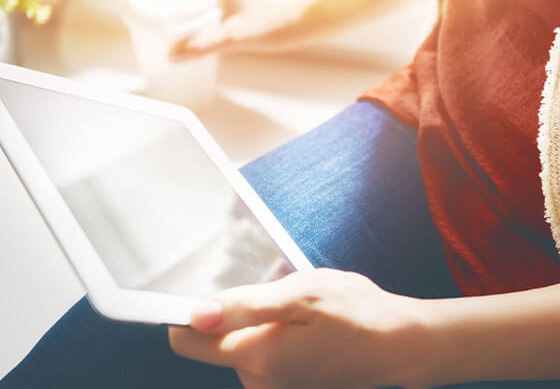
7	43
155	26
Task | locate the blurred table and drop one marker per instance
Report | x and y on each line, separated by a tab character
261	102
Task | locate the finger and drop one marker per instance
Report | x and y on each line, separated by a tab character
250	381
229	7
248	306
194	345
236	350
268	351
184	50
258	351
210	39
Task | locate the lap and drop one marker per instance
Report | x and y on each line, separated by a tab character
349	193
86	350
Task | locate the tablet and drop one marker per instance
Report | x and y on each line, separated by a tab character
147	208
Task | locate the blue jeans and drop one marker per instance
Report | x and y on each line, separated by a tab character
349	193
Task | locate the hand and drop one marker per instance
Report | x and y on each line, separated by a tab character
322	328
246	23
274	25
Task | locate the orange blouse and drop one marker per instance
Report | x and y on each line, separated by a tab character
473	92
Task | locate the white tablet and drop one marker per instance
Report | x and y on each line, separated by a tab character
147	208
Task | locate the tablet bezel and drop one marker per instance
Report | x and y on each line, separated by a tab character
103	292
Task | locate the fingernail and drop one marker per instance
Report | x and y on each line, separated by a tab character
207	315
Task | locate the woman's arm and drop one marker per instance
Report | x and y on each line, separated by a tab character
273	25
338	329
513	336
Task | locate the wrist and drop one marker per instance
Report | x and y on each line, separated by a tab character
412	347
451	336
457	342
429	349
437	345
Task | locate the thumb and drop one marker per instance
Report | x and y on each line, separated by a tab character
245	306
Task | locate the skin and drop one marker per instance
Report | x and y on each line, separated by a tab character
333	329
275	25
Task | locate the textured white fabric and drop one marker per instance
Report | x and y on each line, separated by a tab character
549	140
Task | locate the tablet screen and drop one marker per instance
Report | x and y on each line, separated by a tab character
159	213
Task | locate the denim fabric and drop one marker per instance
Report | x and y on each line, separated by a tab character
350	194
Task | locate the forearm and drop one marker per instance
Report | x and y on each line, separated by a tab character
512	336
270	26
335	11
316	18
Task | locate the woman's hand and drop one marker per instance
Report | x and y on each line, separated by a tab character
322	328
274	25
246	23
327	328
